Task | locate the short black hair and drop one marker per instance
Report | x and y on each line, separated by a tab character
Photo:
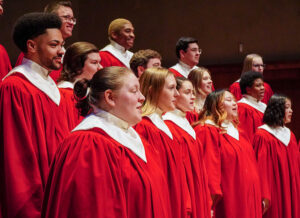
247	80
32	25
275	111
183	44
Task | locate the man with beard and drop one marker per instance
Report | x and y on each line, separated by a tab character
121	36
188	53
5	65
32	114
63	9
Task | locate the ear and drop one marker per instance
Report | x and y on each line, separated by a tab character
181	54
109	98
114	35
140	70
248	90
31	46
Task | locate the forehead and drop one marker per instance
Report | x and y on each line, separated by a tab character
93	55
51	35
127	26
227	94
187	84
193	45
258	80
130	80
257	60
64	11
170	79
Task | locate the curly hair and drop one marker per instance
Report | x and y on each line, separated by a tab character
248	79
275	111
31	25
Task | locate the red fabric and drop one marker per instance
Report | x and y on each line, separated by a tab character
5	65
249	118
175	72
236	91
73	115
94	176
108	60
192	116
232	173
32	125
170	154
279	173
55	74
195	171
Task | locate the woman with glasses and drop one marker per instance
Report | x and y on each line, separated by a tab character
277	154
252	62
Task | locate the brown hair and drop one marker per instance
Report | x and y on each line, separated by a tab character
104	79
152	82
141	58
75	56
53	6
196	76
248	61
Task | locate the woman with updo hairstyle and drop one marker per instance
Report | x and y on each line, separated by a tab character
201	80
232	171
158	85
252	62
104	168
277	154
81	61
185	135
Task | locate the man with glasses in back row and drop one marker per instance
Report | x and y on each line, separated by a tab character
64	10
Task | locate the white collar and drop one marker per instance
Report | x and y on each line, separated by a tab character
183	68
39	77
116	128
231	130
65	84
238	81
211	123
157	120
119	52
249	100
283	134
178	117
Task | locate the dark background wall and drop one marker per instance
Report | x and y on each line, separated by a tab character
269	28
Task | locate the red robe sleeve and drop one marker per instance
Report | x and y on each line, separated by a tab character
5	65
250	119
108	60
210	139
94	176
32	125
236	90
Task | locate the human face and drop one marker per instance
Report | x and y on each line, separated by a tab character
91	65
257	90
1	7
49	51
206	83
192	55
258	65
230	106
128	100
153	62
126	36
186	98
288	111
66	16
168	95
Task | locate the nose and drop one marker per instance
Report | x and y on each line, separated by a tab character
132	35
99	67
141	98
61	50
176	93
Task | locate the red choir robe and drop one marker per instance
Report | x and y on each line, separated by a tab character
251	115
277	155
156	132
193	161
232	171
55	74
100	171
5	65
115	55
236	91
73	116
192	116
33	123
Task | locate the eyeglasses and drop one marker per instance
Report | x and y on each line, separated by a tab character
195	49
69	19
259	65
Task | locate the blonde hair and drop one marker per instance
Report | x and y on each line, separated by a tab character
116	25
196	76
152	82
213	109
248	61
